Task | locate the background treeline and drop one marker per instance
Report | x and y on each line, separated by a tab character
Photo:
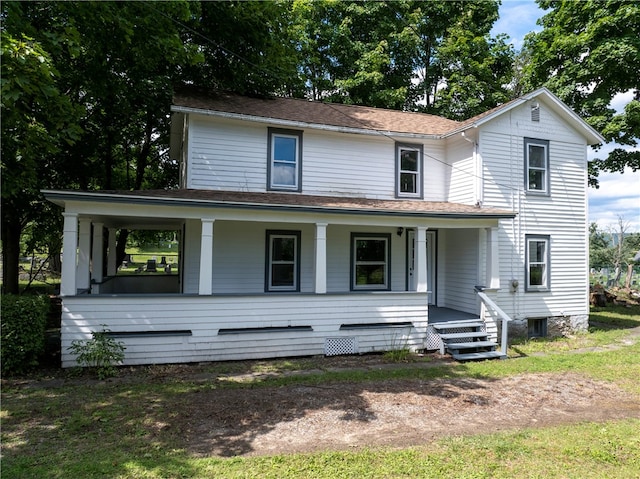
86	86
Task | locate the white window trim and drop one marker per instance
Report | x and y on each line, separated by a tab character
387	262
419	181
545	145
546	262
296	135
271	235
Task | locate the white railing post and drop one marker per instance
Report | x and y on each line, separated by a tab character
503	316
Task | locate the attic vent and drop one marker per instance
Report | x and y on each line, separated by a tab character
535	111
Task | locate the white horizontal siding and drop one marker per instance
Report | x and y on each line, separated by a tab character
462	183
562	215
232	155
460	275
206	315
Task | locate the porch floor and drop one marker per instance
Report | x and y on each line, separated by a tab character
443	315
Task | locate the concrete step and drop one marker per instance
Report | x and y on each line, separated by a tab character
467	335
467	323
478	356
471	345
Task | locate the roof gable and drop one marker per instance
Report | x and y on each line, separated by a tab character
363	119
550	100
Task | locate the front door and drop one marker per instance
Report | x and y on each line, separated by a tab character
431	264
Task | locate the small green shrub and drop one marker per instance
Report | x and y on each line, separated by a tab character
101	352
22	333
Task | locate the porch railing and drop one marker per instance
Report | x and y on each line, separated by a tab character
491	305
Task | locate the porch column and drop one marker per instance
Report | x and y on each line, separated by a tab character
205	286
421	260
97	256
84	253
69	254
112	267
493	263
321	258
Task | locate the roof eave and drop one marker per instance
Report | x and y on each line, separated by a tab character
592	136
300	124
61	197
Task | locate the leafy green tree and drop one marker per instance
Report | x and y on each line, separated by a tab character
404	54
247	47
38	122
588	52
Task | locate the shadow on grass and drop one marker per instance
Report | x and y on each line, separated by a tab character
126	427
614	317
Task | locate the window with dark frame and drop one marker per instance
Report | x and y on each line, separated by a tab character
536	166
370	260
285	160
537	263
283	261
409	170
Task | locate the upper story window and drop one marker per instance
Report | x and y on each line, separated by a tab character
283	261
285	160
370	261
536	153
537	263
408	170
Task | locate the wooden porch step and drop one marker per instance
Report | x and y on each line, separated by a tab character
469	323
478	356
471	345
467	335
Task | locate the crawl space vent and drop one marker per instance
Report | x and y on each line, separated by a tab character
340	346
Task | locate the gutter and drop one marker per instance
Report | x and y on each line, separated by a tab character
301	124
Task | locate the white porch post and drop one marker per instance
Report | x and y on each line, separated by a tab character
69	254
205	286
112	268
84	254
321	258
97	261
421	260
493	263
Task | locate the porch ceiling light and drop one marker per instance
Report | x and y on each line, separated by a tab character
400	231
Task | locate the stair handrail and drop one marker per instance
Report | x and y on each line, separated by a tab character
504	316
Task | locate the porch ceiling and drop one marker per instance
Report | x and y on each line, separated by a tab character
278	202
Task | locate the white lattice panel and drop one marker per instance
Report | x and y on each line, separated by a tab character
434	341
340	346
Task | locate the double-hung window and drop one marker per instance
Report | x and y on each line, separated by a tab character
537	263
536	153
370	260
283	261
408	170
285	160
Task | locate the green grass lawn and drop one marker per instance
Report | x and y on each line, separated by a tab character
106	429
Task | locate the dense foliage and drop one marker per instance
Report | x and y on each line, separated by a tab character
586	53
22	333
87	86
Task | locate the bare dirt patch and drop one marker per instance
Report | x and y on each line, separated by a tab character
397	413
311	416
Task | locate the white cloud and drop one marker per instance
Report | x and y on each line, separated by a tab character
618	196
517	18
620	100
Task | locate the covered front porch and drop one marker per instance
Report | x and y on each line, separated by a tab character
259	282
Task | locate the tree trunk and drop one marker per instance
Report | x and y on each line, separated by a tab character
11	231
627	281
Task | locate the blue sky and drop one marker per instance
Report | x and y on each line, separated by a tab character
619	194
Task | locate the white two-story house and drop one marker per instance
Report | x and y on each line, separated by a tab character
310	228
